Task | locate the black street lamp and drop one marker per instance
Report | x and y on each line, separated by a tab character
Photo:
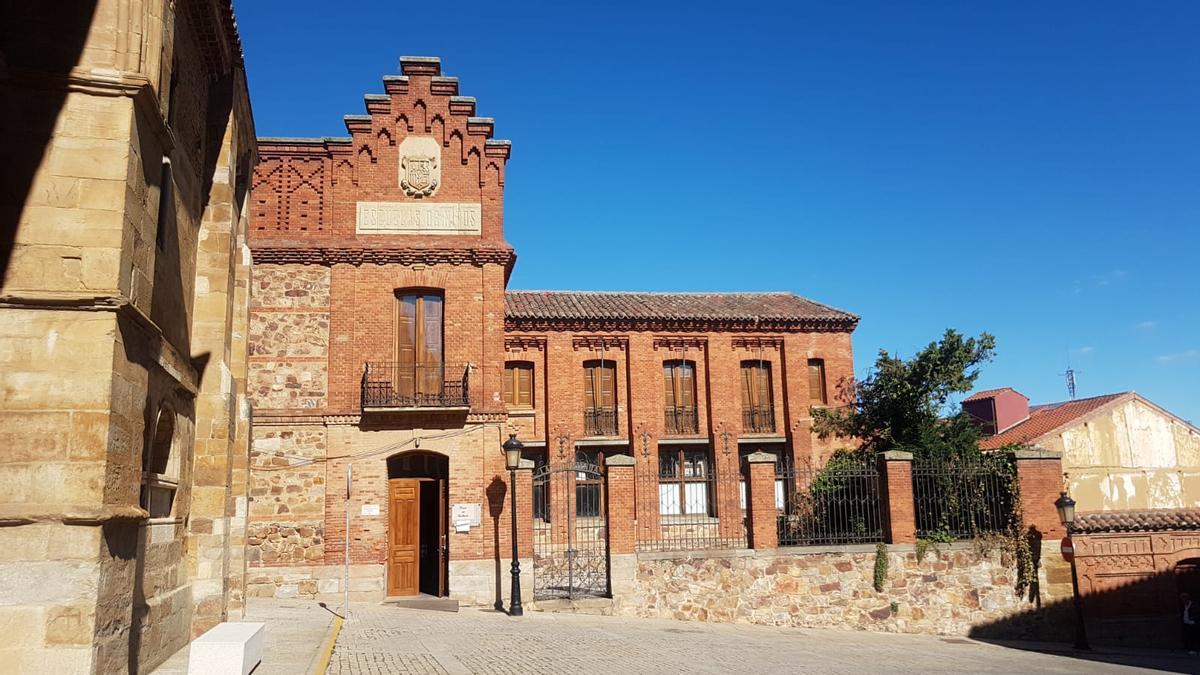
512	460
1066	514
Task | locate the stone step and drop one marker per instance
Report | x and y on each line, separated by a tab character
593	606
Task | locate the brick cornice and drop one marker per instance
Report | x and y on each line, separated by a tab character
600	342
362	255
674	342
756	342
673	326
525	342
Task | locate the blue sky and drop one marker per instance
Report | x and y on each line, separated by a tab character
1028	169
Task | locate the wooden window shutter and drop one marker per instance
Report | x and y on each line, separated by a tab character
687	386
589	387
816	381
524	386
764	384
608	385
669	385
507	385
406	345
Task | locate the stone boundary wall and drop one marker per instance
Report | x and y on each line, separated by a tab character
948	592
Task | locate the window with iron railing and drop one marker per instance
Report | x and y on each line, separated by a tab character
600	398
679	390
758	408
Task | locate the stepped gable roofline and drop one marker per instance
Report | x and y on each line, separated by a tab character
1139	520
745	310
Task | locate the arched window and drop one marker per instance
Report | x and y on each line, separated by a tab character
518	384
679	391
160	466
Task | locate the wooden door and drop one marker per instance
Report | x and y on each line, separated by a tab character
404	536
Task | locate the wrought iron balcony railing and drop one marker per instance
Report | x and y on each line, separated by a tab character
681	421
600	421
423	385
758	419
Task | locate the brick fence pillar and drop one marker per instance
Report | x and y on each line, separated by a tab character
896	488
764	518
1040	480
620	489
524	489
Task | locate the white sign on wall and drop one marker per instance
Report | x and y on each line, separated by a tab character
370	509
424	218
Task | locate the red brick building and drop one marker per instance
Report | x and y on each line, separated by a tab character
388	364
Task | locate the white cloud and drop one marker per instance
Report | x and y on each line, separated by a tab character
1179	357
1084	350
1146	325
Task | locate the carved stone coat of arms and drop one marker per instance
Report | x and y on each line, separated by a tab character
419	175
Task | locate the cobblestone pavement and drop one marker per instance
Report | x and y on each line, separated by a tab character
381	639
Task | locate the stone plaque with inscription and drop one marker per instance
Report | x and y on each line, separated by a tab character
423	218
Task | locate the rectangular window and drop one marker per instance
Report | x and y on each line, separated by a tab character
600	398
588	495
541	487
420	370
679	390
683	485
758	409
816	382
518	384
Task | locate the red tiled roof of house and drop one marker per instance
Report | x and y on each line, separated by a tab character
776	308
1046	418
1142	520
988	393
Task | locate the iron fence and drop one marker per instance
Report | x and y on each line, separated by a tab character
688	507
681	421
961	498
759	419
837	504
600	421
415	385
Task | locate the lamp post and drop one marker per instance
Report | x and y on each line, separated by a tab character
512	460
1066	514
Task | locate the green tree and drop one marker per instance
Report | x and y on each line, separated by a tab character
901	405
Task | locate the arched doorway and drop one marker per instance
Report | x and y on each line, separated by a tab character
418	492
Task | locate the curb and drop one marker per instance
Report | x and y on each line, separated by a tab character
323	657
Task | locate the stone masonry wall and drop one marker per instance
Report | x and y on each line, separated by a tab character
947	592
287	496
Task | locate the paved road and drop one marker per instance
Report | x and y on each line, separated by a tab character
387	640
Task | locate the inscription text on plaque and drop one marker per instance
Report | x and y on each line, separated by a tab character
418	218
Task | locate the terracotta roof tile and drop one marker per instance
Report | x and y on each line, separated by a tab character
1044	419
638	306
1138	521
988	393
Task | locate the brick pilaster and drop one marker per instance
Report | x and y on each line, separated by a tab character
525	509
1040	479
760	502
896	485
620	486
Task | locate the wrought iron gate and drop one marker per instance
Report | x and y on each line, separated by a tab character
570	532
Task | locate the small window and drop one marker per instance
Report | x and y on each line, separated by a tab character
518	384
600	398
679	392
758	409
816	382
160	467
683	482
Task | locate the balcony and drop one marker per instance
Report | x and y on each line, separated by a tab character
759	419
600	421
407	386
681	421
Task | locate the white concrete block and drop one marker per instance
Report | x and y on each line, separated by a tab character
230	648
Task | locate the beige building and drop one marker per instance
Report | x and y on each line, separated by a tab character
123	315
1120	451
